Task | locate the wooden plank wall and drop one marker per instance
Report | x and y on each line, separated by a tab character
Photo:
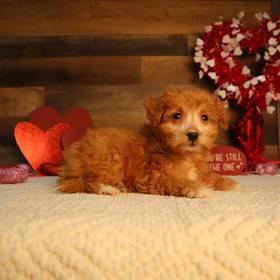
105	56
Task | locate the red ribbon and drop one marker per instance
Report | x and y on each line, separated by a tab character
249	132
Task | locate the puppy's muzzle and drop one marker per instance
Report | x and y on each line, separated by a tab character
192	136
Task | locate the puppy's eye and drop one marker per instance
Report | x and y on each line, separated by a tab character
176	116
204	118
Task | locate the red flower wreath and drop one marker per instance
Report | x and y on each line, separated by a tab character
216	52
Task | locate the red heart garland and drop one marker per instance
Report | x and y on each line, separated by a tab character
38	146
216	52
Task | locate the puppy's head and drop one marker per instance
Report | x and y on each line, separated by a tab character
187	120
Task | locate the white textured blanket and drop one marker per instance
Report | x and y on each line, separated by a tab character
49	235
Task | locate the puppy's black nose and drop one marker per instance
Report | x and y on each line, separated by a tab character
192	136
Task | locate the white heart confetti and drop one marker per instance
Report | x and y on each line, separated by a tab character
276	32
235	31
258	16
240	37
218	23
197	59
245	70
235	21
268	98
272	51
258	57
261	78
235	26
207	28
226	39
270	109
227	47
272	41
212	75
198	56
199	53
271	25
251	93
266	16
231	87
200	74
237	51
230	62
241	15
204	67
254	81
222	94
199	42
247	84
224	54
211	62
266	56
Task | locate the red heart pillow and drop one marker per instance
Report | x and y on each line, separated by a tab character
40	147
78	119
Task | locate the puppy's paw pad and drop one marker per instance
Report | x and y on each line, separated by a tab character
109	190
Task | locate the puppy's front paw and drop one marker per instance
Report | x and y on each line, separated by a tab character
200	192
109	190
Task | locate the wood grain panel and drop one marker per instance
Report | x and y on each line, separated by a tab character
270	128
102	99
7	125
11	155
57	18
75	70
21	101
180	69
58	46
171	69
102	70
275	9
271	152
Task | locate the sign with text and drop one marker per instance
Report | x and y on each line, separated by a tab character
227	160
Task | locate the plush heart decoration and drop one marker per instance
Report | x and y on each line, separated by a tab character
227	160
45	117
40	147
216	53
78	119
49	169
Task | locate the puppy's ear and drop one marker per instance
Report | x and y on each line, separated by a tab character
223	113
154	110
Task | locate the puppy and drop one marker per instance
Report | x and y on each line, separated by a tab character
172	161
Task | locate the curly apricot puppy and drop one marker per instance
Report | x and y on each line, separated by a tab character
170	162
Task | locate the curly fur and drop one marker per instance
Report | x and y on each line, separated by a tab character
110	160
